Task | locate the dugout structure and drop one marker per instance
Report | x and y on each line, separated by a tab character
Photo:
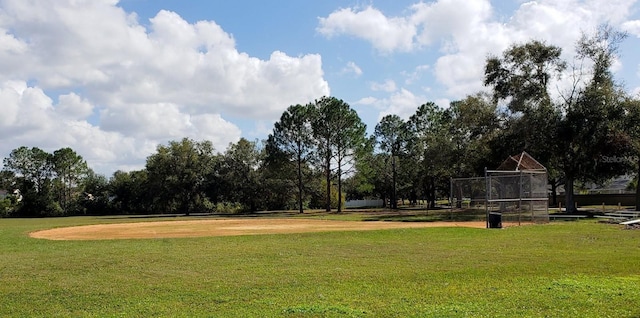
515	192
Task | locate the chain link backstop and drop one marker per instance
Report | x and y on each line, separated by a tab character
506	196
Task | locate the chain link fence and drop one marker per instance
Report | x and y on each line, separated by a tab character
503	196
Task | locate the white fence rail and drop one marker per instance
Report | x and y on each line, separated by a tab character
363	204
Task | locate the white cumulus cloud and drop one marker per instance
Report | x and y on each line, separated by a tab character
633	27
86	74
402	103
352	68
461	34
386	86
386	34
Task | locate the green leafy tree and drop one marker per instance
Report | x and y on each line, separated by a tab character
33	170
632	110
8	180
393	135
324	113
8	183
339	134
572	133
241	174
96	196
447	143
379	174
522	76
177	175
473	121
362	184
130	192
280	189
32	165
430	151
593	124
475	124
293	136
70	170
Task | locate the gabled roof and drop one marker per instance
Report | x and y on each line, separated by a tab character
519	162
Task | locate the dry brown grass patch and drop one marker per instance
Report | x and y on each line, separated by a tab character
226	227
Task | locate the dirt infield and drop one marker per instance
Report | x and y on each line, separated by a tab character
226	227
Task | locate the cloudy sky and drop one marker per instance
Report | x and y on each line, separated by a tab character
113	79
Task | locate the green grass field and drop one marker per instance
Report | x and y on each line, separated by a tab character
563	269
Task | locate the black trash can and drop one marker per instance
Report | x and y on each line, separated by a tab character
495	220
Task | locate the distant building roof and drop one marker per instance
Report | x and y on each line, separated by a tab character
519	162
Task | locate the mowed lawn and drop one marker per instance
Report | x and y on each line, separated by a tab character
563	269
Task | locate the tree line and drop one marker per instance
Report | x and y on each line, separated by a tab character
319	154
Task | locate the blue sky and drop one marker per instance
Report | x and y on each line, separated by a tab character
113	79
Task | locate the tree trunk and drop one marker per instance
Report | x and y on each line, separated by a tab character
394	198
186	200
568	193
328	172
425	191
384	200
638	188
339	189
432	193
554	190
300	184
